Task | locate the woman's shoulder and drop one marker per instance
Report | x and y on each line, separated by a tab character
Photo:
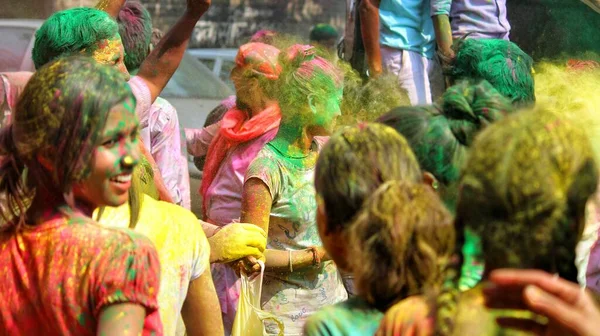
351	317
93	234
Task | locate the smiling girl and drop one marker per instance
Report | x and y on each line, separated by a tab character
71	148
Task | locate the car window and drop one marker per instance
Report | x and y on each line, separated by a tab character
14	42
194	80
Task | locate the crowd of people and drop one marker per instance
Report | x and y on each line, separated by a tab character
451	191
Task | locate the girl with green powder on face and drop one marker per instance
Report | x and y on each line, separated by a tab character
378	220
70	148
279	195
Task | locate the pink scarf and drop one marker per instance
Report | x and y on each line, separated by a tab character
235	129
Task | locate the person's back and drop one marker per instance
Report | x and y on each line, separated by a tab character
58	276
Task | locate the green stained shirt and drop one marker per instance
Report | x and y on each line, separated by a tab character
353	317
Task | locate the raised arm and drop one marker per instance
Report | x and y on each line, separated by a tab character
164	59
369	26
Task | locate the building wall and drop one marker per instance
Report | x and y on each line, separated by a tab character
231	22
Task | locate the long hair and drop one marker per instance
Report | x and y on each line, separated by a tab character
60	115
71	31
400	241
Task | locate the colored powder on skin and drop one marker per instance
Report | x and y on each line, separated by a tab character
107	52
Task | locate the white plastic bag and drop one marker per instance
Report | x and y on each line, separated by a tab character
249	317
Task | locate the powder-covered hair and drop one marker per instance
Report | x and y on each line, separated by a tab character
573	91
440	135
367	101
354	163
135	28
69	32
60	115
305	75
524	191
500	62
399	243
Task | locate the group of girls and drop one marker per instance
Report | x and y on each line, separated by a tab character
396	203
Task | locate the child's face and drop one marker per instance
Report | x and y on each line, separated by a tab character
110	176
334	242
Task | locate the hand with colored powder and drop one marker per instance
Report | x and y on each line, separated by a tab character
198	6
570	309
235	241
409	317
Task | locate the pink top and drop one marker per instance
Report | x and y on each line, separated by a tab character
225	193
58	276
163	137
161	134
198	140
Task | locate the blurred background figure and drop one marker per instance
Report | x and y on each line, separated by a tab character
325	37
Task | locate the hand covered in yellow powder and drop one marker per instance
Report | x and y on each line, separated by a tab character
237	240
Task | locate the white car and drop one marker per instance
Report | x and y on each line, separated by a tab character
194	89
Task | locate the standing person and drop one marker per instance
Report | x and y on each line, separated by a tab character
187	298
161	135
378	220
94	32
455	19
231	145
398	36
279	195
71	148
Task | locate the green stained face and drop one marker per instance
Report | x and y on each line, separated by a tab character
328	110
113	160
